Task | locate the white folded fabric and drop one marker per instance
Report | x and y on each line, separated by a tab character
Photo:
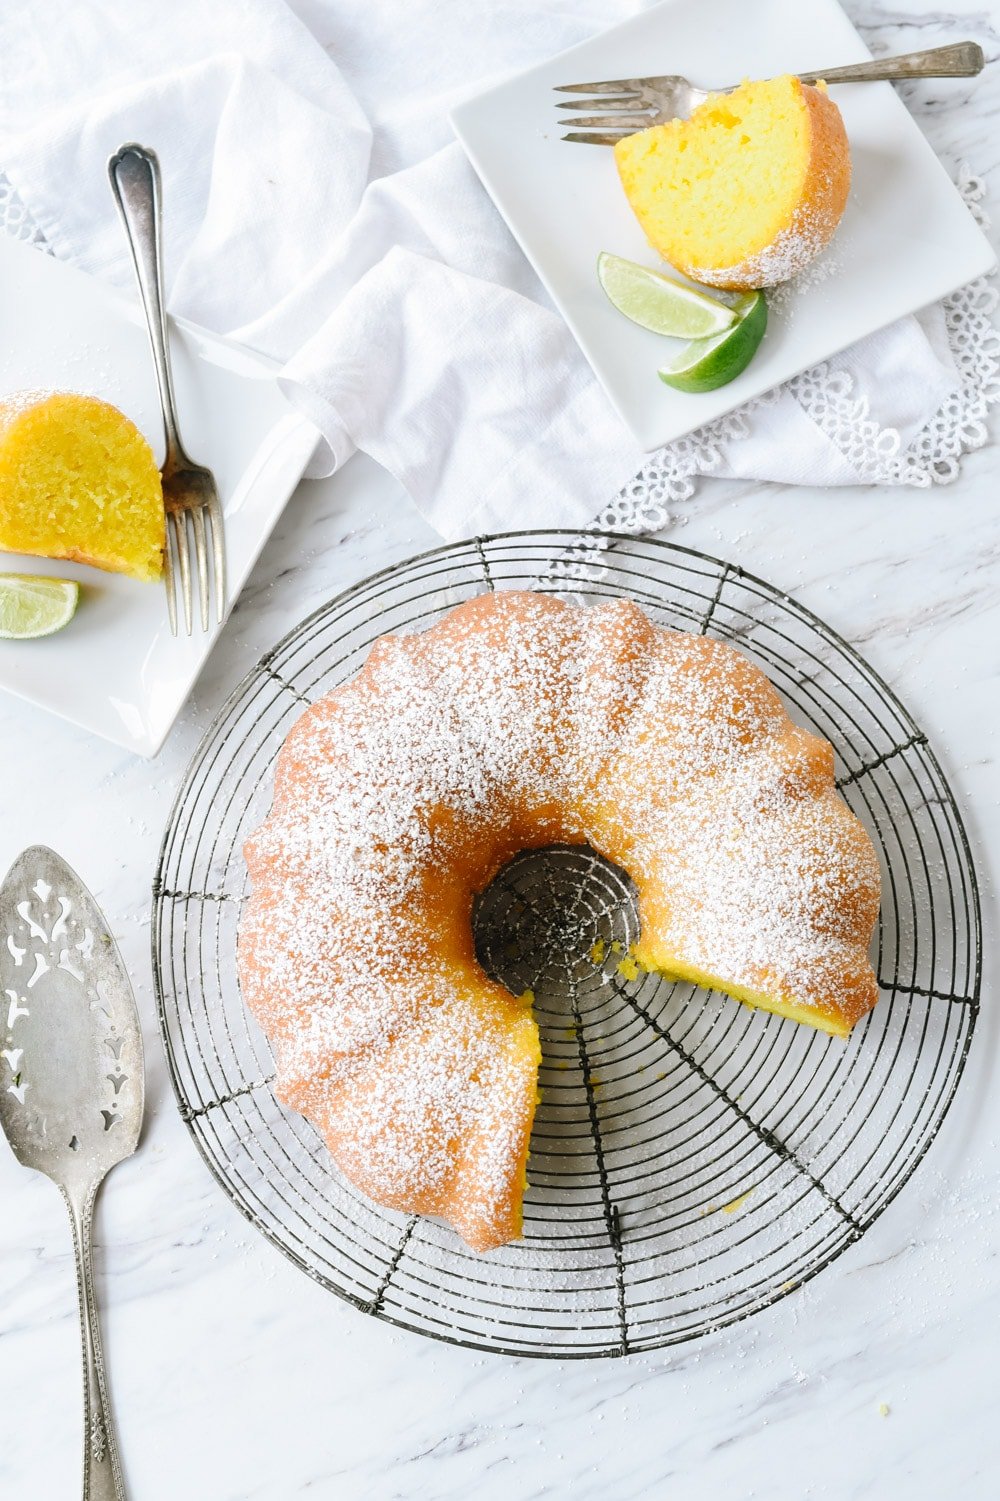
318	209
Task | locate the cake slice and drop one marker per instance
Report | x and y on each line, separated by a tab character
79	481
747	191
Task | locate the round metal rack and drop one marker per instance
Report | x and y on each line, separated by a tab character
692	1160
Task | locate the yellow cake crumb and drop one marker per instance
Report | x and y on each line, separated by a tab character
629	968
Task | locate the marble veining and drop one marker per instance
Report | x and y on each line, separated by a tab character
237	1379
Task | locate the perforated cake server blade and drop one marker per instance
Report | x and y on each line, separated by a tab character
71	1083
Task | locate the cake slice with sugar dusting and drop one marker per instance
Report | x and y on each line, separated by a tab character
746	192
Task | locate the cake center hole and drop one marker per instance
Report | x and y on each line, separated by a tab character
556	921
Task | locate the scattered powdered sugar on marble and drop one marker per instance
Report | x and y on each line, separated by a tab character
522	718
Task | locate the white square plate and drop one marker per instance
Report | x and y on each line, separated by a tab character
906	238
116	669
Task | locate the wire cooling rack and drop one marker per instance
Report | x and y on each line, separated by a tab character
692	1160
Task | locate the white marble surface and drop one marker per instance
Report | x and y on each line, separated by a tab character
236	1378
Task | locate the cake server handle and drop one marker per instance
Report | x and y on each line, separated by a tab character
102	1471
959	60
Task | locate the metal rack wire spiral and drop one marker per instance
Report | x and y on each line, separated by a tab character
692	1160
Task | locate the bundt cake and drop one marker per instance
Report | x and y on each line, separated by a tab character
519	721
79	481
748	190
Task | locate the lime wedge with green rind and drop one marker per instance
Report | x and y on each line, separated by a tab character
33	606
660	303
706	364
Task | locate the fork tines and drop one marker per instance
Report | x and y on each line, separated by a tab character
599	137
205	525
606	86
618	100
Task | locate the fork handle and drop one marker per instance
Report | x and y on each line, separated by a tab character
135	181
102	1471
960	60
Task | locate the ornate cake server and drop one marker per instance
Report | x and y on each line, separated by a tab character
71	1083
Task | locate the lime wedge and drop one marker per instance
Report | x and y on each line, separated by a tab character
658	302
706	364
32	606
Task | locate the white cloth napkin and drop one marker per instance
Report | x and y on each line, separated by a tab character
319	209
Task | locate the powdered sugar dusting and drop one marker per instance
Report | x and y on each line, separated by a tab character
788	254
784	298
522	720
15	403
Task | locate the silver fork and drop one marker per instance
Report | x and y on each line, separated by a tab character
632	104
190	496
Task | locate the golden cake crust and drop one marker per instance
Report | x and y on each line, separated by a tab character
519	721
